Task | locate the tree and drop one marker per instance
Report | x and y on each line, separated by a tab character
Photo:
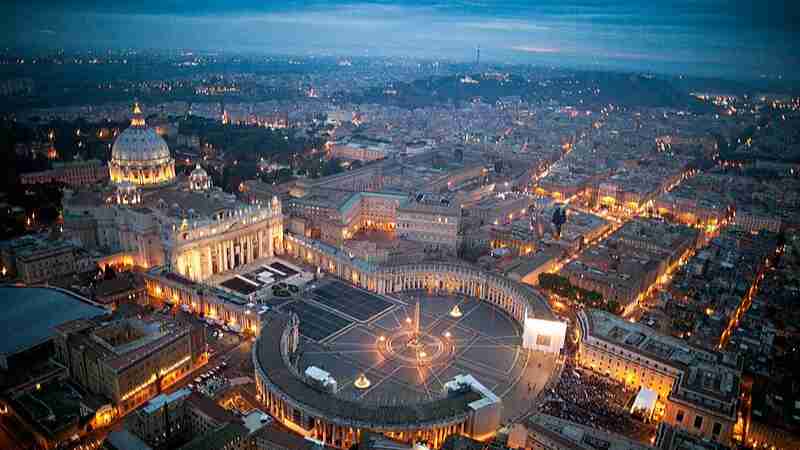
331	167
561	286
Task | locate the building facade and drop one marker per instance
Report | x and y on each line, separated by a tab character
166	288
196	233
36	259
128	361
76	173
698	390
432	220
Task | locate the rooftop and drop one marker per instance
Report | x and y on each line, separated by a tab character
580	437
276	434
676	438
30	247
159	401
125	440
28	316
56	405
117	285
210	408
123	342
218	438
176	202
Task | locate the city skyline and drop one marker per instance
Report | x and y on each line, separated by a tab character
739	40
399	224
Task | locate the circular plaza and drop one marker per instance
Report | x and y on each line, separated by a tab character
410	365
426	360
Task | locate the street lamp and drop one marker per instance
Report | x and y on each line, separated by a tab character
362	382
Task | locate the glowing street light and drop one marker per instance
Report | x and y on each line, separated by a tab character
362	382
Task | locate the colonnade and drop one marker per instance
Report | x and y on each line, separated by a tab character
163	289
336	430
516	299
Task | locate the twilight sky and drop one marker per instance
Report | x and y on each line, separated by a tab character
729	38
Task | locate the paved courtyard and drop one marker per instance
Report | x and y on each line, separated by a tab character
348	332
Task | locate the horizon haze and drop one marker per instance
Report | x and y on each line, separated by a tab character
736	39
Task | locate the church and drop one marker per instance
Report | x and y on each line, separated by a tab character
151	217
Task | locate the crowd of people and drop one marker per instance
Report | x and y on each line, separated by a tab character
588	399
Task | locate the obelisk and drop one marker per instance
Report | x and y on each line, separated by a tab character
416	319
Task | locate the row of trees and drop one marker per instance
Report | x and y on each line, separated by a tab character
248	142
561	286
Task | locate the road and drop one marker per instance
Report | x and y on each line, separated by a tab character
234	349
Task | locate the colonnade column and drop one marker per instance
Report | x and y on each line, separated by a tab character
238	242
209	268
226	245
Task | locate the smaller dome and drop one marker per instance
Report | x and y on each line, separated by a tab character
198	172
199	180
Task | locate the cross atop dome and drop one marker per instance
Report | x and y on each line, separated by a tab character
138	117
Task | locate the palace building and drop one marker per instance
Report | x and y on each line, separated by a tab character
336	215
130	360
698	390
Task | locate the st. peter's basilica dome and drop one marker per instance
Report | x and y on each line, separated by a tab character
139	155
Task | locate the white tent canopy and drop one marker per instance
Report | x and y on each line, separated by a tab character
645	401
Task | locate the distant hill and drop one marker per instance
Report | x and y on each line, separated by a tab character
585	89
